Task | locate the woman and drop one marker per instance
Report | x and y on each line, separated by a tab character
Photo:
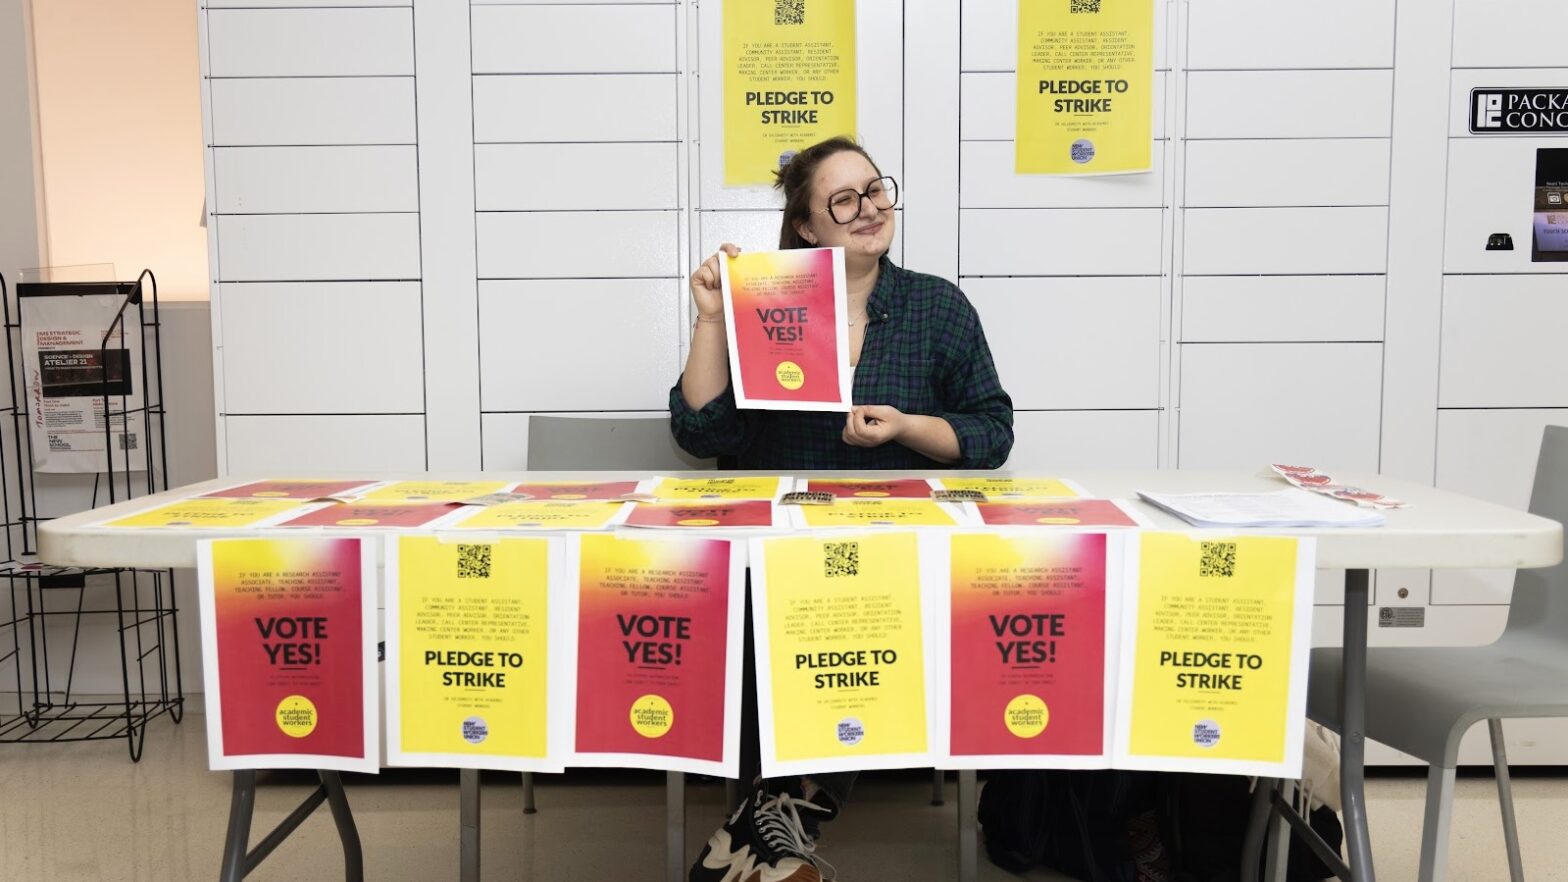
928	398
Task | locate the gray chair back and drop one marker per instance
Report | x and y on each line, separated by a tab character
1539	608
558	443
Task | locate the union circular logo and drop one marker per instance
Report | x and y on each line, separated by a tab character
475	730
1206	733
851	731
1082	151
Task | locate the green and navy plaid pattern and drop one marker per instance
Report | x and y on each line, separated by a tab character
924	353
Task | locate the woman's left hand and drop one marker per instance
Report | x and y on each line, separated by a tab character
872	425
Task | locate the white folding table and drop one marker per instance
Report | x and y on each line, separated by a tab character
1440	530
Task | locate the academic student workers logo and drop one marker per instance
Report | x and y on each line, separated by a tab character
475	730
1206	733
1082	151
851	731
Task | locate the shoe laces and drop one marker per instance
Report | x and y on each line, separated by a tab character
781	830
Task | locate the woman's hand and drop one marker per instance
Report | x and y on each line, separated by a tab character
872	425
706	290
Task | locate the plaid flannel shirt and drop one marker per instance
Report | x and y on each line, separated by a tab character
924	353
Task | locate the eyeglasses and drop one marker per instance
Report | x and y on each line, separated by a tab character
844	205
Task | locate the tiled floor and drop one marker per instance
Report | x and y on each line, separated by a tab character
85	812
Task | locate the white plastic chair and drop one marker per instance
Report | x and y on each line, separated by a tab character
1422	701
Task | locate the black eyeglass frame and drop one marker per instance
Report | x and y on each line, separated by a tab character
890	187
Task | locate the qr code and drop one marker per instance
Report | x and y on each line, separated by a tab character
1218	559
127	442
840	559
473	561
1092	6
791	12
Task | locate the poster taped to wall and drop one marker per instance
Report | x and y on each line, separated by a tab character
1085	87
63	353
785	319
789	82
288	638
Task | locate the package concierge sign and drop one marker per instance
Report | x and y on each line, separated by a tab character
785	320
789	82
288	645
1085	86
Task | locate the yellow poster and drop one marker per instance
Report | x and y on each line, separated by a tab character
873	513
434	491
544	515
1214	654
717	488
1085	86
469	657
207	512
841	667
1015	488
789	81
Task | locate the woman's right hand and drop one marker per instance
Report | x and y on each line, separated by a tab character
706	290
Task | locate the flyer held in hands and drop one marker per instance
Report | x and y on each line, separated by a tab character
785	320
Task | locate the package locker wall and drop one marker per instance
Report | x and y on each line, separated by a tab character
509	201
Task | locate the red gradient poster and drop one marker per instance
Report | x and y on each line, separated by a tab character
658	653
738	513
362	515
1056	513
1027	670
787	326
580	491
305	489
288	641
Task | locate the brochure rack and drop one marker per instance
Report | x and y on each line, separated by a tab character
42	620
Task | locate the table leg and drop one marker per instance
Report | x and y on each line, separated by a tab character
348	833
674	826
237	843
1352	750
1257	828
968	827
529	807
468	859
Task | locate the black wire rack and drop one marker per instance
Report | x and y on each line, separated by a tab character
41	634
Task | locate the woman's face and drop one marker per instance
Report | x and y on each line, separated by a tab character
867	237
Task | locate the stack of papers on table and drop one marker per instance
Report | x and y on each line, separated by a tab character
1280	508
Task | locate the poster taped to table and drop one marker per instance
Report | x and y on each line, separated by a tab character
1074	513
581	491
207	513
477	676
538	515
871	488
1216	638
686	489
786	325
69	368
373	515
1005	487
432	491
877	513
288	638
657	631
721	514
842	667
789	82
1025	646
306	490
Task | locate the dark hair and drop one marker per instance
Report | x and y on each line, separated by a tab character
794	179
